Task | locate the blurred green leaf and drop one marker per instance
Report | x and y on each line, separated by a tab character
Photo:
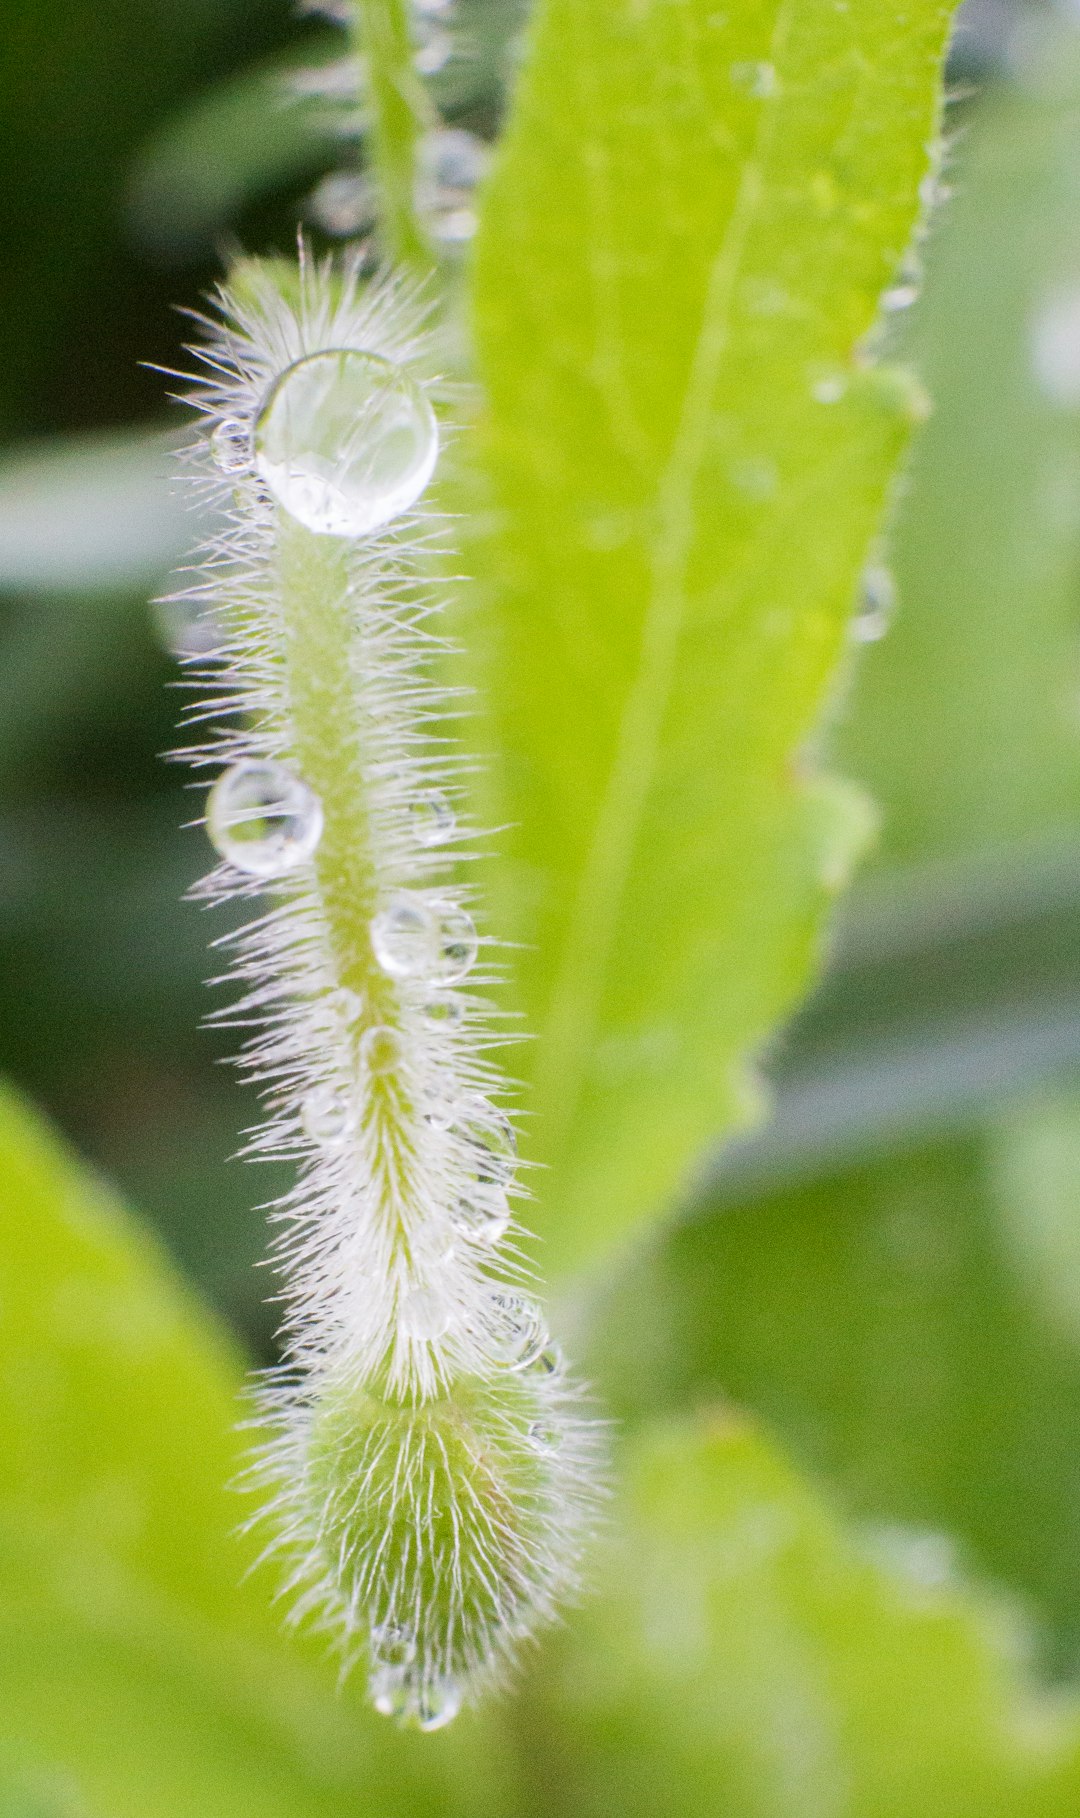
137	1664
239	139
966	721
83	513
691	221
745	1658
908	1327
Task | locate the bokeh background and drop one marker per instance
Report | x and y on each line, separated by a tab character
889	1272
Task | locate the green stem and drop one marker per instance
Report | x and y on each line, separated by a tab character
398	111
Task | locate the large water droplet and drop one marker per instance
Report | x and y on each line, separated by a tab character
346	442
482	1216
262	818
447	1011
424	1314
380	1050
390	1691
1055	347
433	820
230	446
326	1115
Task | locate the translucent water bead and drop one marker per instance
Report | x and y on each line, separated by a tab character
346	442
520	1335
433	820
424	1314
873	614
326	1115
230	446
483	1212
414	938
430	1705
262	818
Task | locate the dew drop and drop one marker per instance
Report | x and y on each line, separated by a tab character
456	945
448	1011
424	1314
491	1143
899	296
543	1436
873	614
453	159
433	819
1055	347
437	1704
380	1050
434	48
482	1217
520	1336
262	818
388	1688
404	936
346	442
230	446
326	1114
343	203
188	629
392	1644
829	389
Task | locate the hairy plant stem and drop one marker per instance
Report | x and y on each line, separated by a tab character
399	112
322	644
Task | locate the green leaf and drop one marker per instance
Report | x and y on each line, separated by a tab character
140	1670
745	1658
683	464
92	511
909	1328
966	723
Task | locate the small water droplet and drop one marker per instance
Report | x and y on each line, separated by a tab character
899	296
520	1335
453	159
434	48
188	629
344	203
346	442
438	1702
456	945
482	1217
262	818
490	1139
326	1115
544	1436
877	600
230	446
440	1114
829	389
424	1314
403	937
757	78
1055	347
389	1691
433	820
380	1050
449	1011
392	1644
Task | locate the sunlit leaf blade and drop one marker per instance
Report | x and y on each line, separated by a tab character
683	464
745	1658
140	1671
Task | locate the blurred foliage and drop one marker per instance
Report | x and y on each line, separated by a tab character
885	1277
